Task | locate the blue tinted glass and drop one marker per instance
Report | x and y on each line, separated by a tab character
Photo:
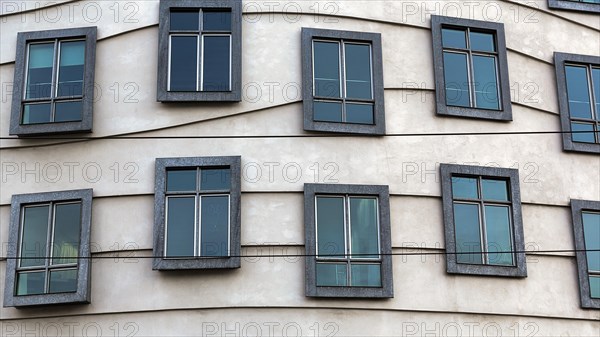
596	80
578	92
330	226
185	20
482	41
214	232
453	38
455	79
216	64
594	287
39	70
327	69
35	236
359	113
499	237
70	71
181	180
215	179
363	225
366	275
36	113
217	21
467	232
63	281
464	188
332	274
68	111
31	283
494	189
180	226
184	63
328	111
67	224
583	132
591	230
486	82
358	70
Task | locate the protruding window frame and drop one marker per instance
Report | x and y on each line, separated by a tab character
577	207
574	6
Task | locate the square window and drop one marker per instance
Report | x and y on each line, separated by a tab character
348	245
586	230
482	221
471	71
49	249
591	6
197	213
342	81
200	48
578	84
56	69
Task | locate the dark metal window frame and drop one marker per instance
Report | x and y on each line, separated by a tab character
89	34
574	6
560	61
82	295
577	208
497	29
374	40
511	176
381	192
162	165
235	92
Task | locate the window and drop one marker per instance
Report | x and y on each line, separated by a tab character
200	46
49	249
482	220
56	69
586	227
471	71
197	213
342	81
578	83
592	6
348	245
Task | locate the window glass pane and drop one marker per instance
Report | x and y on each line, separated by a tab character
328	111
63	281
327	69
486	82
39	70
184	63
181	180
36	113
31	283
68	111
595	287
217	21
482	41
494	189
180	226
67	224
499	237
215	179
35	236
366	275
464	188
453	38
358	70
580	132
214	235
591	230
70	72
330	226
359	113
578	92
468	240
596	79
185	20
216	65
363	227
332	274
455	79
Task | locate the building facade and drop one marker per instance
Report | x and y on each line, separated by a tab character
300	168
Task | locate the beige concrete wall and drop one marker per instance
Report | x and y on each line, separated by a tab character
127	296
